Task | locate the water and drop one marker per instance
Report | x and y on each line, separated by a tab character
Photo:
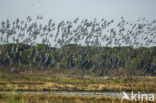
92	94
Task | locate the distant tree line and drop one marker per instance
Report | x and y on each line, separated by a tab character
100	60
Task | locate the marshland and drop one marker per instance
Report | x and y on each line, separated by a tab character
78	60
72	71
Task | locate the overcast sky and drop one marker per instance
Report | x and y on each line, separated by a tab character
69	9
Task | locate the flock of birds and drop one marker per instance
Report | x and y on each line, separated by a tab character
83	32
105	33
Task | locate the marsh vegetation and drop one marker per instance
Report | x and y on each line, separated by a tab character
79	55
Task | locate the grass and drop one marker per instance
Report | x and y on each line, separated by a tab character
38	81
39	98
25	82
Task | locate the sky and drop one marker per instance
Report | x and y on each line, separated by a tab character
70	9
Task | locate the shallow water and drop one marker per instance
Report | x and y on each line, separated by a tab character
92	94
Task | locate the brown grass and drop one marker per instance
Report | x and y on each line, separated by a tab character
40	83
38	98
